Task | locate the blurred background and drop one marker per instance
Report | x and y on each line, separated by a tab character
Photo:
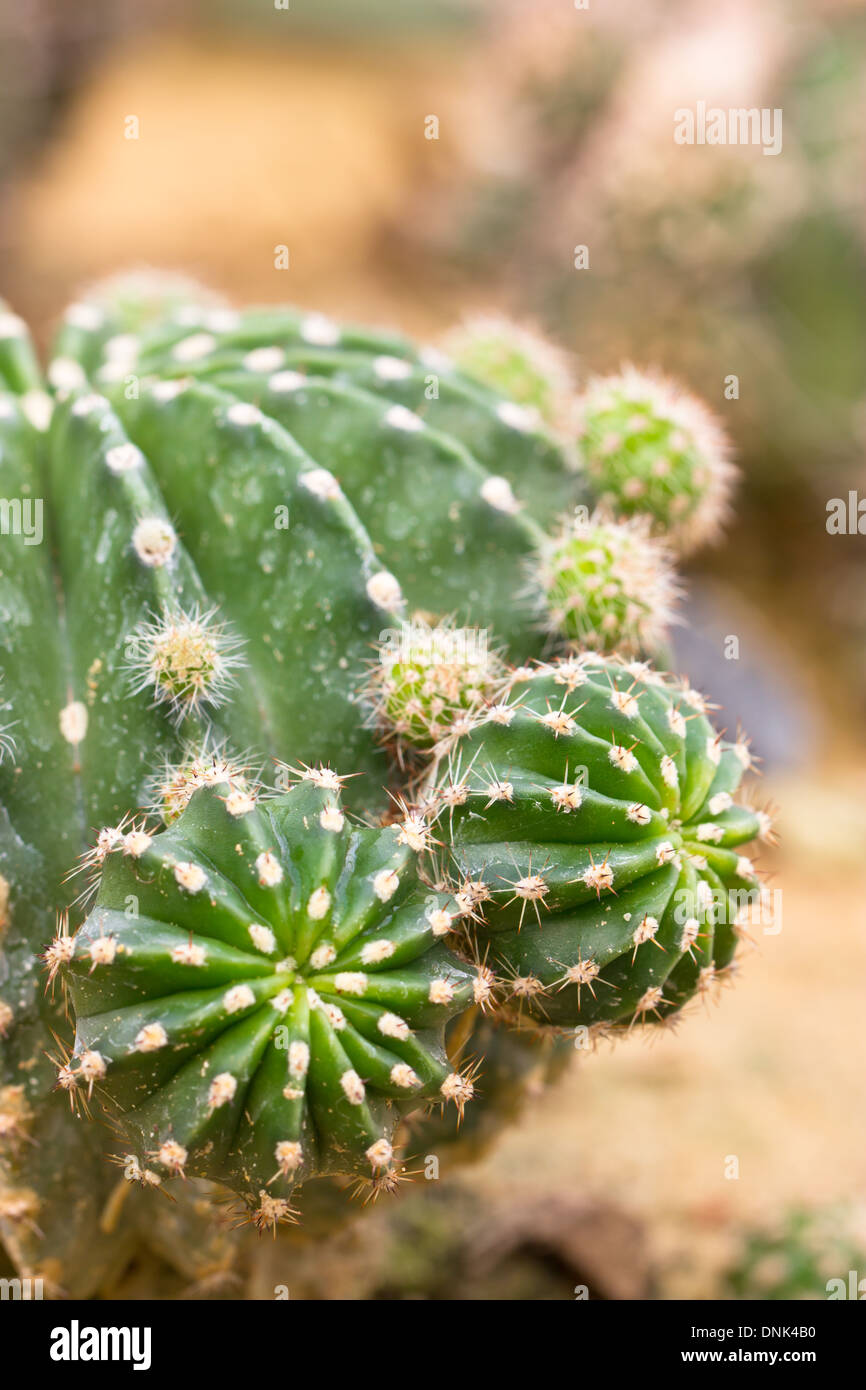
423	161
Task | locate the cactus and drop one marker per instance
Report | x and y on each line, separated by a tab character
608	584
652	449
514	362
275	956
429	679
595	837
239	508
195	635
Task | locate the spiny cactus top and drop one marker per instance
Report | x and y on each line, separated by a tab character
514	362
595	834
427	679
260	988
608	584
652	449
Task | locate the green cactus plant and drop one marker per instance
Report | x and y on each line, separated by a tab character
651	449
235	1048
594	835
236	510
193	632
608	584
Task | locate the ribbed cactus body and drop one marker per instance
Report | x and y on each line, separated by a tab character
54	1182
355	376
595	836
324	484
259	988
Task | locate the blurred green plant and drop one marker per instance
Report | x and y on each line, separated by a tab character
809	1254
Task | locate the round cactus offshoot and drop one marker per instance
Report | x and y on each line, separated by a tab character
596	836
652	449
608	585
276	1000
430	677
515	362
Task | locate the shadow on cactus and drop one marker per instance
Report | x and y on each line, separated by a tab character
245	514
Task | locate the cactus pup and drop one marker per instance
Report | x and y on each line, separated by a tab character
596	838
261	988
